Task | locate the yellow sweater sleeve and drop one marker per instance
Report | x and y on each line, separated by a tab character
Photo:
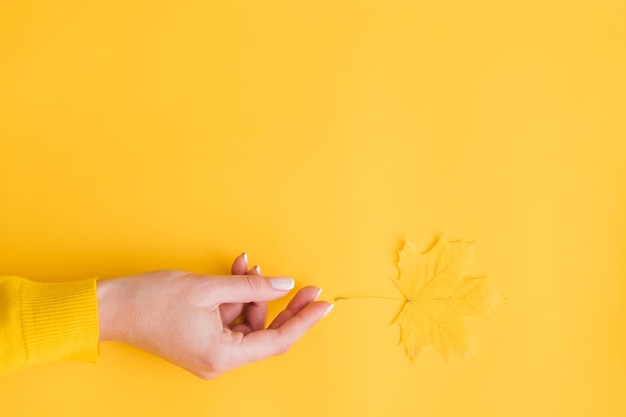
47	322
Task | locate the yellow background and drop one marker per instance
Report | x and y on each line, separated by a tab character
316	136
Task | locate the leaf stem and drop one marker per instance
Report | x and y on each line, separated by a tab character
374	297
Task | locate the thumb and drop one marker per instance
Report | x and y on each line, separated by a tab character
250	288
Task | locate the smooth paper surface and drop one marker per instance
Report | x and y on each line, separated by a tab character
318	137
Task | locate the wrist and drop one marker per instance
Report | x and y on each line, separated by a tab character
107	308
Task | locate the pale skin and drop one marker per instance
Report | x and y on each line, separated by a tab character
206	324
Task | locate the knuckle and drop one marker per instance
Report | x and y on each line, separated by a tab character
282	347
206	375
212	364
253	284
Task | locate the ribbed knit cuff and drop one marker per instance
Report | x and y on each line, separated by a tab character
60	321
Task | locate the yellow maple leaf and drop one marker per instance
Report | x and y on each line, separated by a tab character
438	296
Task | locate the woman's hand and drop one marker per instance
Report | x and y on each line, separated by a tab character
192	320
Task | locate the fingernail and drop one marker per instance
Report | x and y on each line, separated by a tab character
245	257
328	310
283	284
257	270
318	294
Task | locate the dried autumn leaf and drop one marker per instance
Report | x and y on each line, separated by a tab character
438	296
